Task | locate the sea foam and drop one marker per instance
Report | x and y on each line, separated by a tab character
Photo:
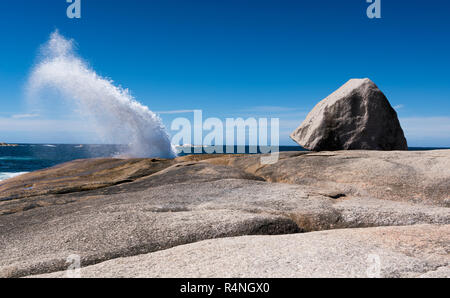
5	176
118	118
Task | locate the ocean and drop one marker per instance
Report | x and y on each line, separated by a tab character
31	157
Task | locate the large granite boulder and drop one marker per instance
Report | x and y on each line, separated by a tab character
356	116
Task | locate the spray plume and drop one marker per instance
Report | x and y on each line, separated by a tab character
118	117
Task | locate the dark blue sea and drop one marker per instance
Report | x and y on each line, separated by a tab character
31	157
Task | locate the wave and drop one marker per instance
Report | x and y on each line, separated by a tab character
17	158
118	118
5	176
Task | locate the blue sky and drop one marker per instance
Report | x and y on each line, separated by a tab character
234	58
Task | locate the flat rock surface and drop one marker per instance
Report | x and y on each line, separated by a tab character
125	224
79	175
145	206
415	176
418	251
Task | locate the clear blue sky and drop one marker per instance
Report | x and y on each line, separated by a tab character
235	58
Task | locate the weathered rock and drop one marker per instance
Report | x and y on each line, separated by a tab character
416	176
104	227
79	175
87	179
8	145
412	176
163	204
356	116
418	251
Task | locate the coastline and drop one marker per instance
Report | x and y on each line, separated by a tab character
175	205
25	158
8	145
